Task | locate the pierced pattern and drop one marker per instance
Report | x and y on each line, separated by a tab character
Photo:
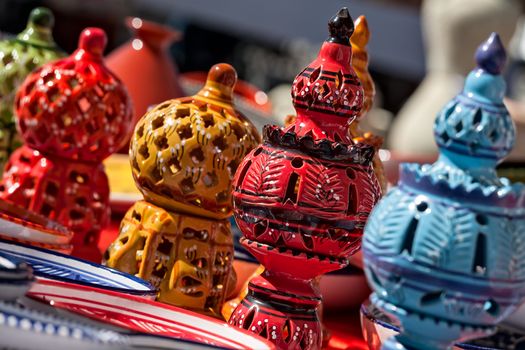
187	258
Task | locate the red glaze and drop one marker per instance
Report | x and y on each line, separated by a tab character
301	199
72	114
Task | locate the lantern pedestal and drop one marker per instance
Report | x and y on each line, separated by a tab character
283	302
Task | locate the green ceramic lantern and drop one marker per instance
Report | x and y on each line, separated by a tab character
18	57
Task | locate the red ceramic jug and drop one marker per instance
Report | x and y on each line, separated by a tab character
145	66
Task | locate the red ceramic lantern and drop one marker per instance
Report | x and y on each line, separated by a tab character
301	199
72	114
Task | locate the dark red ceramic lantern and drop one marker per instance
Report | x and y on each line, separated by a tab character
301	199
72	114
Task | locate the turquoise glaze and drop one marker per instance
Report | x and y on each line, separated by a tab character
445	249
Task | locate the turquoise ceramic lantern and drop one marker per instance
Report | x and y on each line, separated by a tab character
445	249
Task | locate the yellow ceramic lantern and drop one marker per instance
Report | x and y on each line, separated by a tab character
183	155
359	40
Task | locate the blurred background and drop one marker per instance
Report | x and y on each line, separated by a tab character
420	50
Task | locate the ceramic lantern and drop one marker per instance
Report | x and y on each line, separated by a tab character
301	198
183	155
18	57
359	41
72	114
444	251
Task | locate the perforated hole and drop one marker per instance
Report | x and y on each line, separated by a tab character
157	122
74	176
207	118
136	216
292	188
165	246
238	130
161	142
249	318
83	104
197	155
185	132
458	127
182	112
220	143
76	215
297	162
350	173
222	197
422	206
260	227
339	79
491	307
482	219
52	189
186	185
410	235
232	167
315	74
287	331
432	298
352	199
143	151
140	130
479	265
8	58
477	118
173	165
155	174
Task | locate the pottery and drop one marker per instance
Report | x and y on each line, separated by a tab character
19	224
142	315
72	114
183	154
30	49
15	277
443	251
22	328
359	41
52	265
249	99
145	66
301	198
377	327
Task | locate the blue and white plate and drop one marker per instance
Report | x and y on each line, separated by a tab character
15	277
56	266
22	328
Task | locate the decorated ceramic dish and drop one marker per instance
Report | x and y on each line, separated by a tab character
22	328
19	224
143	315
56	266
377	327
15	277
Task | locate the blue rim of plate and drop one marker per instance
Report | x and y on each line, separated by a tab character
148	290
384	324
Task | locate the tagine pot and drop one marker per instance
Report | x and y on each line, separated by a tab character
144	65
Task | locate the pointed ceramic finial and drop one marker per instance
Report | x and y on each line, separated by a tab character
220	82
475	129
341	27
359	41
93	41
39	27
327	95
491	55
